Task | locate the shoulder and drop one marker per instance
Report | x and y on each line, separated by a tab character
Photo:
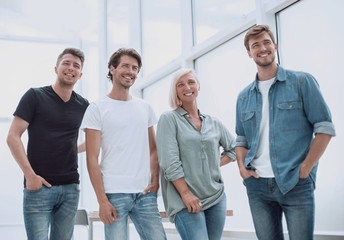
81	100
33	93
168	116
292	76
246	91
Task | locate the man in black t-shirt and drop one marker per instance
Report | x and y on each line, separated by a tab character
52	116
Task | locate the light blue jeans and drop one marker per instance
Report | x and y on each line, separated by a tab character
143	212
55	207
268	204
205	225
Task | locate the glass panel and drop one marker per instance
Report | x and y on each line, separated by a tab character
157	95
117	25
63	19
24	65
311	37
223	73
12	181
161	20
213	16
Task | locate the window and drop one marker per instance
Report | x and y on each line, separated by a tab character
161	33
210	17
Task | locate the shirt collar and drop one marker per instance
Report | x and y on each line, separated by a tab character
280	76
182	112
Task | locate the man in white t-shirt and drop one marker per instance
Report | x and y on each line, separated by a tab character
126	181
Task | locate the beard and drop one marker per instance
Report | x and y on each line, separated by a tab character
265	63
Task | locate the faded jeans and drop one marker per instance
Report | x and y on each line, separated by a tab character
267	205
205	225
55	207
143	212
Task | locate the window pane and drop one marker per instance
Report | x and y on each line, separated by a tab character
117	25
60	19
12	180
24	65
213	16
161	21
157	95
223	73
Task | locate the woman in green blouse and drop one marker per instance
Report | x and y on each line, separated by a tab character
189	144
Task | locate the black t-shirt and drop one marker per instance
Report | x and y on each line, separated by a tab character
53	132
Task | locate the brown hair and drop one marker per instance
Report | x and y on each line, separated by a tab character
115	58
75	52
255	31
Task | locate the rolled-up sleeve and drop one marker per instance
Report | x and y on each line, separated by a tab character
315	106
227	141
241	140
168	150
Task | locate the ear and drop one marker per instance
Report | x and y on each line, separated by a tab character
56	69
249	53
276	47
112	69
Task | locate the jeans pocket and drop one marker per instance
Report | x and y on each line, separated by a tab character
34	190
304	181
246	180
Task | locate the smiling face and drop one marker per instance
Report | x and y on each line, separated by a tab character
187	88
262	50
68	70
125	74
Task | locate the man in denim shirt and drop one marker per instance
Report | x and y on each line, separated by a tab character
283	127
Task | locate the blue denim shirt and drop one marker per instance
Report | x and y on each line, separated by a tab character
297	111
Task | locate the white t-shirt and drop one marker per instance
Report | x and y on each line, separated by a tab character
262	162
125	156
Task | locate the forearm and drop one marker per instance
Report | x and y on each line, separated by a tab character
241	153
225	160
96	180
181	186
18	151
316	150
154	167
82	147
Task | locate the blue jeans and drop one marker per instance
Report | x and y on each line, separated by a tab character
55	207
205	225
268	204
143	212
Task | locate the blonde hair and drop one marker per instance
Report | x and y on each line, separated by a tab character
174	99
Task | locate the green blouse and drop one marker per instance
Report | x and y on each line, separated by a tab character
184	151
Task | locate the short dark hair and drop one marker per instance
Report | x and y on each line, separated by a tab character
116	57
255	31
75	52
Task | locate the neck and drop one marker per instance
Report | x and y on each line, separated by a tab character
120	94
191	109
64	92
267	72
